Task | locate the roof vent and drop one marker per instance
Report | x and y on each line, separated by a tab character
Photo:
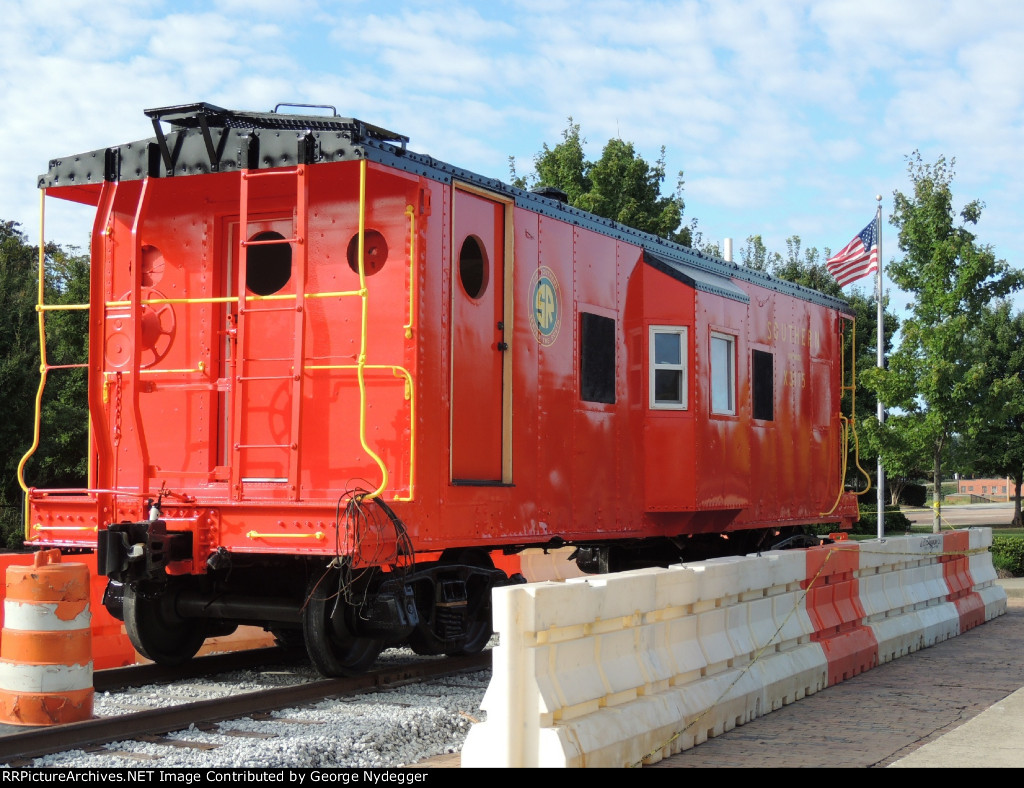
552	193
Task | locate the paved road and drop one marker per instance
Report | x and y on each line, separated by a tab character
963	516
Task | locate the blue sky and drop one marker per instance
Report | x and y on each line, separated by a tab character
787	117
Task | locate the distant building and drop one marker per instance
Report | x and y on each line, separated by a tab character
993	489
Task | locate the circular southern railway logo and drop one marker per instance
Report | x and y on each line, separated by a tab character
546	309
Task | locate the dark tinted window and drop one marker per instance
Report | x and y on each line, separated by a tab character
597	358
762	381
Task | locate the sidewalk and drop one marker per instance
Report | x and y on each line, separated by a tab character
993	739
957	704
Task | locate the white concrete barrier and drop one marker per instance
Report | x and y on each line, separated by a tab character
984	573
625	669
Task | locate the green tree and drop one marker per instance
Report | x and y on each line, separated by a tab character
996	422
903	445
621	185
933	375
806	267
19	367
61	458
563	167
755	255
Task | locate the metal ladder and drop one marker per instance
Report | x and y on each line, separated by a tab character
300	256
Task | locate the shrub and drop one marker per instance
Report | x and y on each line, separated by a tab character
895	521
1008	554
914	495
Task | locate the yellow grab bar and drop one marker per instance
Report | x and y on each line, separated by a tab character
411	213
38	527
227	299
849	424
42	357
256	535
362	334
60	307
397	372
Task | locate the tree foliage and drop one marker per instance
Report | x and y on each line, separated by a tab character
60	459
19	358
755	255
621	185
995	423
934	376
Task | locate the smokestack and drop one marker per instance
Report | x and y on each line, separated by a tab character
728	250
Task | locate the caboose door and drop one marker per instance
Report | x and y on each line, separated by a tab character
480	359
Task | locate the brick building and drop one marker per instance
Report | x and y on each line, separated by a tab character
993	489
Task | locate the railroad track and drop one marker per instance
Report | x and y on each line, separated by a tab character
19	746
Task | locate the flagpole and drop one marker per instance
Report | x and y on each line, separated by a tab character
881	365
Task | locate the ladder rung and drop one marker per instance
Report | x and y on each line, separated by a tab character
267	377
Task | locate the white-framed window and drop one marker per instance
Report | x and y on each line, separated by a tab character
668	353
723	373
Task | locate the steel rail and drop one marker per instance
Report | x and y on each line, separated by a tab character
23	744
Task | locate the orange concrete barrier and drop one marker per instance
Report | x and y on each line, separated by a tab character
46	646
956	569
834	606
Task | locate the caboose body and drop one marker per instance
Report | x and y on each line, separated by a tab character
330	379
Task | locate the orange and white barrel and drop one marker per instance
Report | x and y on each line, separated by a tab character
46	643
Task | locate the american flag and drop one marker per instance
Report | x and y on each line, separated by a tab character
858	258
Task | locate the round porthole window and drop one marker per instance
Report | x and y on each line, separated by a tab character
473	267
375	252
268	266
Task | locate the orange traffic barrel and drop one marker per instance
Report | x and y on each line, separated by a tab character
46	643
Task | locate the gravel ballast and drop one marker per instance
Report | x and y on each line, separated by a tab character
383	729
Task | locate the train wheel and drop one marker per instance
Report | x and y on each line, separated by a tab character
155	631
423	640
330	642
478	603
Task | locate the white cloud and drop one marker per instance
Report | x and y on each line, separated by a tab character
787	117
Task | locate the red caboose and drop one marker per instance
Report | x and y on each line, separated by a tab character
329	377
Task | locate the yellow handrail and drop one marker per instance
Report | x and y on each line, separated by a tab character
233	299
258	535
362	333
42	360
360	367
849	426
397	371
411	213
853	408
110	373
60	307
38	527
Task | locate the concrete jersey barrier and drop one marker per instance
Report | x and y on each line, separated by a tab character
625	669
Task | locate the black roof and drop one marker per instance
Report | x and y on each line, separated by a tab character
203	138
